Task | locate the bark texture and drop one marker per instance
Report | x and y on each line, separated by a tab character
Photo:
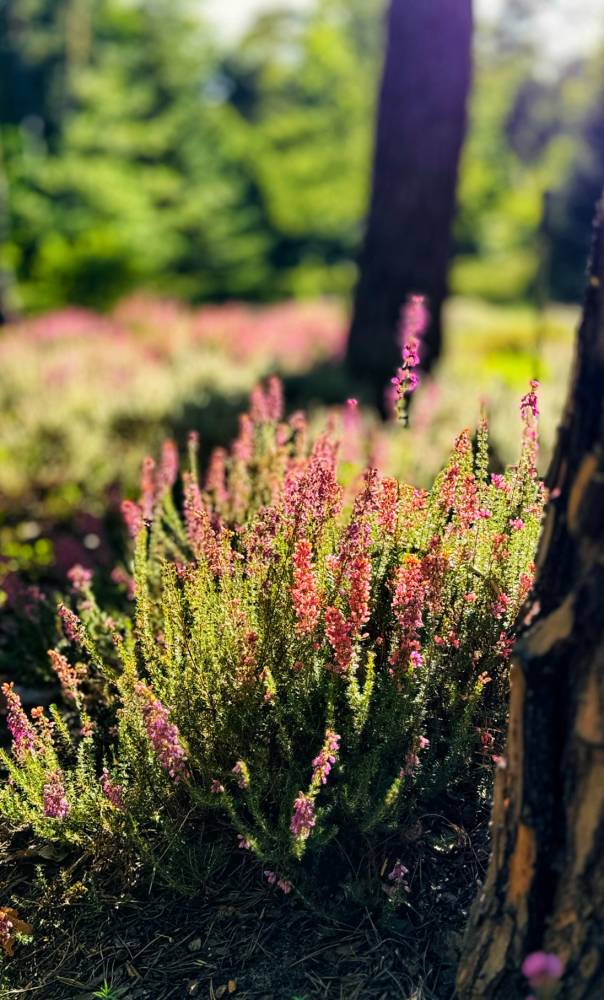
420	130
545	884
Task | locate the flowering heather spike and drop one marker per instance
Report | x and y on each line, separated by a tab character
303	818
148	488
274	399
67	675
408	604
168	467
19	726
414	321
56	805
72	626
163	735
216	477
133	517
306	600
337	630
216	788
388	506
112	791
360	591
243	843
324	761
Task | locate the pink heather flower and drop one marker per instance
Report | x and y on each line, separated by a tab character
240	771
360	590
410	589
44	729
516	523
216	788
500	482
337	630
324	761
470	597
112	790
215	482
388	507
270	877
19	726
200	531
416	659
133	517
303	818
414	321
72	625
530	403
542	968
304	593
243	843
148	488
423	743
67	675
163	735
448	488
56	805
501	606
398	874
6	932
274	399
273	879
79	577
168	466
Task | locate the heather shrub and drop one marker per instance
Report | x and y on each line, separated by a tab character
313	658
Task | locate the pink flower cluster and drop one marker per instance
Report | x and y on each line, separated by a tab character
398	875
56	805
67	675
72	626
240	771
19	726
542	969
303	818
163	735
324	761
112	791
305	596
80	577
414	322
273	879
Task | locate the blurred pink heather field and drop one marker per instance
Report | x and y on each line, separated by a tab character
312	659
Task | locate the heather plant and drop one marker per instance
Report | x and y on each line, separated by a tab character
312	658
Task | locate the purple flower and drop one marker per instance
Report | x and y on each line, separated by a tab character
72	625
303	818
163	735
398	875
19	726
79	577
542	968
56	805
112	790
324	761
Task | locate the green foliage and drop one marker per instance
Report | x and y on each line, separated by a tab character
310	663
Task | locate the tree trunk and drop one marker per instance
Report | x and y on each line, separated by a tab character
420	130
545	885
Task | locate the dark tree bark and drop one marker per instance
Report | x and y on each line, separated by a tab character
420	130
545	885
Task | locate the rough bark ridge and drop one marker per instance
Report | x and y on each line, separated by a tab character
545	884
420	130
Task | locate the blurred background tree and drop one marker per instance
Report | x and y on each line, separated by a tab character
142	149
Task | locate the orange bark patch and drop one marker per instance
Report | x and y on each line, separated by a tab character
522	865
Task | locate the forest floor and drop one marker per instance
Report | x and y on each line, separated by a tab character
238	937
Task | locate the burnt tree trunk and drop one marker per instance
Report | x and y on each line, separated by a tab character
545	885
420	130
